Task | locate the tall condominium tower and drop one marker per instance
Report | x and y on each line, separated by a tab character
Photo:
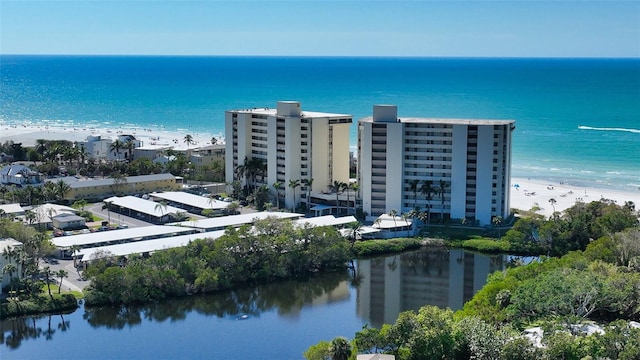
288	146
448	168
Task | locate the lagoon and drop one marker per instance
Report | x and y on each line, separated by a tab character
274	321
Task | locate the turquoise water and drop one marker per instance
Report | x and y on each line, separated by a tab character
578	120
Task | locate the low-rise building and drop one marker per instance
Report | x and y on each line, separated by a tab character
208	156
131	185
68	221
100	148
19	175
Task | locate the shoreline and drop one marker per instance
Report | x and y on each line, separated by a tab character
29	134
525	193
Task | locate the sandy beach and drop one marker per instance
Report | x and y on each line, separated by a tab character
525	194
28	134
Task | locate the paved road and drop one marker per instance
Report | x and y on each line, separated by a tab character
115	217
73	281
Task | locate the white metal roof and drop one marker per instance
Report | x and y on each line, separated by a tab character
386	221
116	235
143	246
327	220
144	206
12	209
237	220
198	201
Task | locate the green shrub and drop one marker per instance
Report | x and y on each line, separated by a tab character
487	245
38	305
379	247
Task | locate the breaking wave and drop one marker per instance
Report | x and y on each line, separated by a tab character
636	131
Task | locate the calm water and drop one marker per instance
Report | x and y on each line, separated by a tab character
277	321
578	120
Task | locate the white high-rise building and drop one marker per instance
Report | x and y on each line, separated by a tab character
288	144
451	168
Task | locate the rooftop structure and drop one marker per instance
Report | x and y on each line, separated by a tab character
287	146
190	202
147	209
327	220
221	223
449	168
150	244
19	175
113	237
130	185
147	246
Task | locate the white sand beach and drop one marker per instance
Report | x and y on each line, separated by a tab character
525	194
28	134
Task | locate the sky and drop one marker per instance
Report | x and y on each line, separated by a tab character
472	28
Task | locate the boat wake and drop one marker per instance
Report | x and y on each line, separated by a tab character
636	131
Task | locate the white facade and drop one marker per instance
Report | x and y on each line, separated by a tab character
467	161
99	148
293	144
20	175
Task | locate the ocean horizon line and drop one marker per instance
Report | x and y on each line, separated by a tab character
408	57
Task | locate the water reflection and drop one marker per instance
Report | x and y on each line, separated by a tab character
288	298
14	331
388	286
282	319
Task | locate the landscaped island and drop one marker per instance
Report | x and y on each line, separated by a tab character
272	250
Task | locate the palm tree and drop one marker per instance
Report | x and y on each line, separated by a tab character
553	202
294	184
308	183
74	249
424	217
346	188
162	207
115	147
61	274
497	222
276	185
188	139
413	186
51	212
233	207
413	213
441	191
61	189
427	190
393	214
107	205
340	349
30	216
41	147
130	145
47	274
355	232
337	186
10	269
355	187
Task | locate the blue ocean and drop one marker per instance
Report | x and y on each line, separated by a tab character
577	120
